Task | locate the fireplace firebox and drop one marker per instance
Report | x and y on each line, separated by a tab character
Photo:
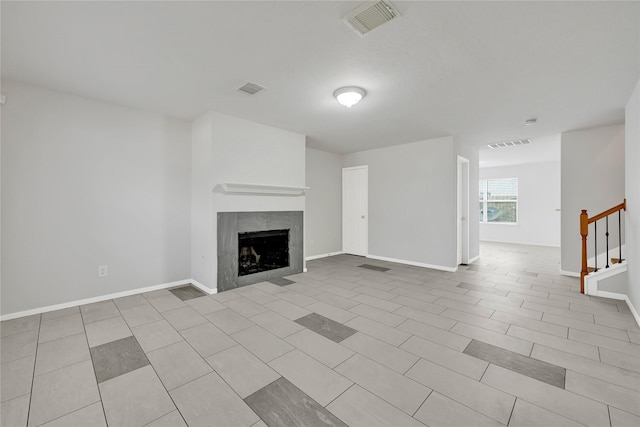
262	251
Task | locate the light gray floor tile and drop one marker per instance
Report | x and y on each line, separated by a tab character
187	292
135	399
296	298
177	364
562	312
621	322
278	325
61	392
304	289
476	310
505	341
439	410
62	352
14	412
246	307
605	342
256	295
229	321
583	365
446	357
533	368
526	414
379	303
117	358
183	318
282	404
570	346
320	348
157	293
60	313
224	296
534	325
104	331
377	330
333	313
205	305
166	302
60	327
381	352
18	346
621	360
130	301
368	290
420	304
326	327
428	318
472	319
454	296
337	290
480	397
312	377
336	300
281	281
374	267
89	416
485	289
244	372
448	339
403	393
209	398
511	309
172	419
623	419
17	376
272	288
360	408
141	315
261	343
607	331
98	311
562	402
604	391
382	316
206	339
20	325
155	335
287	309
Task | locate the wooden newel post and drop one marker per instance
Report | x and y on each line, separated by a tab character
584	230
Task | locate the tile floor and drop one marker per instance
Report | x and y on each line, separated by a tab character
505	341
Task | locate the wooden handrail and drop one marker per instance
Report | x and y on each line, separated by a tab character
584	231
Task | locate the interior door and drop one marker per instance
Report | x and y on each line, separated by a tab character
355	210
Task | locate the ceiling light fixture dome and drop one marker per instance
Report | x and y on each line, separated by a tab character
349	96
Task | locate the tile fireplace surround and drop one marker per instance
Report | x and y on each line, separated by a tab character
232	223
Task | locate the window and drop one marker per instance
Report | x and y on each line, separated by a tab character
499	200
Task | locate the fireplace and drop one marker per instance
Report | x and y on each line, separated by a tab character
255	247
262	251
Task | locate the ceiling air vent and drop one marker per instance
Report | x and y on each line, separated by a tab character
370	15
512	143
250	88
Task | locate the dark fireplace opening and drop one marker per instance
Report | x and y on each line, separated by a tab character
262	251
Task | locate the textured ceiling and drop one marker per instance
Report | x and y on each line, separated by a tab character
474	70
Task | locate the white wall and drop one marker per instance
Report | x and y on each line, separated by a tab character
538	200
632	182
86	183
238	151
323	203
593	178
412	201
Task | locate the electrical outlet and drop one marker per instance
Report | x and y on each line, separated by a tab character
103	271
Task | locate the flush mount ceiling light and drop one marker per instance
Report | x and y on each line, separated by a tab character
349	96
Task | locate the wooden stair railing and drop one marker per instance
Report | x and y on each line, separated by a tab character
584	231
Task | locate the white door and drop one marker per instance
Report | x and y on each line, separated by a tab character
355	210
462	220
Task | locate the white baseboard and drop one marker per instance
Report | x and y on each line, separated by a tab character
474	259
632	309
203	288
103	298
518	243
569	273
312	257
417	264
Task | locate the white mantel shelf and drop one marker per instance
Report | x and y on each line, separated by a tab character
237	188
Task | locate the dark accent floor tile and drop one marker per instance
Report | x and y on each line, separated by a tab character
533	368
485	289
281	281
373	267
187	292
283	404
116	358
326	327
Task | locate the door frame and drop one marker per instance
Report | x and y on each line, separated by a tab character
462	211
366	213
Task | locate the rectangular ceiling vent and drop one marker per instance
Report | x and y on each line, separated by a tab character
250	88
370	15
512	143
